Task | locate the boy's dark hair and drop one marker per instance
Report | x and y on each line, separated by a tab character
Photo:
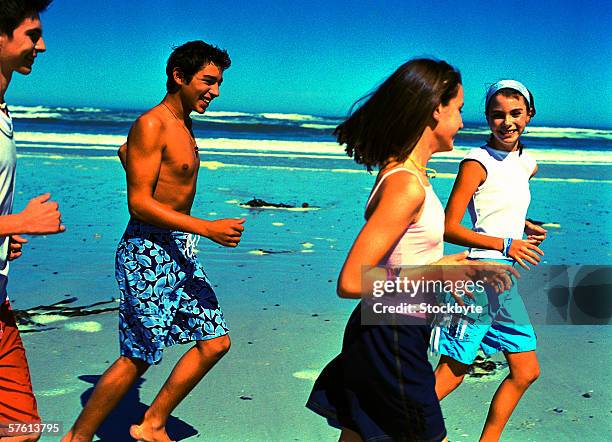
13	12
190	58
391	119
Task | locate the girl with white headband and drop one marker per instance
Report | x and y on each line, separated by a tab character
493	185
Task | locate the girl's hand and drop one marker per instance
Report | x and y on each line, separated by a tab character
521	251
456	259
535	232
496	274
458	268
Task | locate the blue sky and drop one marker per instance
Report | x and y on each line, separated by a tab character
318	57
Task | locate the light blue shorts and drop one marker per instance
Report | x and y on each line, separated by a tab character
503	326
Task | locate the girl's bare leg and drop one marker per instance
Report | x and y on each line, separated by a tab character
524	370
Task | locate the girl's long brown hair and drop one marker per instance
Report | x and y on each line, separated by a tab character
390	121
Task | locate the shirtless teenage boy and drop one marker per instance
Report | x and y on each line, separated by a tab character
20	43
166	297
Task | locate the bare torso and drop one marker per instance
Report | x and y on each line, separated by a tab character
175	186
178	174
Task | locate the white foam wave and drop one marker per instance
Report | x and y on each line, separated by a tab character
577	133
310	149
220	114
318	126
308	121
215	165
224	121
289	117
79	140
38	109
45	115
31	109
568	132
88	109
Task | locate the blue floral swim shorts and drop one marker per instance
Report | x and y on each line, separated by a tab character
166	297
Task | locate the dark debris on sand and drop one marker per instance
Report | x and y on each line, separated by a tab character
272	252
24	317
484	367
259	203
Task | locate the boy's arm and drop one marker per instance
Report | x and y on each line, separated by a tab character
143	163
122	154
40	217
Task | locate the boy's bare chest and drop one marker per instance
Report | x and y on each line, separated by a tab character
181	160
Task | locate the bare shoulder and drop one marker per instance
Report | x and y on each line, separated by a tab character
404	188
151	120
148	130
399	199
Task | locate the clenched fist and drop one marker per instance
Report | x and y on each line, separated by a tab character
41	216
226	232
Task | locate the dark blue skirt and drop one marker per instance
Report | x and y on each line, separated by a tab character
381	385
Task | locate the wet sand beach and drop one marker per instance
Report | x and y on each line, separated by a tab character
277	290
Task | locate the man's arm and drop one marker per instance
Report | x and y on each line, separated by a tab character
142	163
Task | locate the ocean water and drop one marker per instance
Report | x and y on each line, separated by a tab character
275	136
287	158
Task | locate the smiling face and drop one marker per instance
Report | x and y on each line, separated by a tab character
507	117
202	89
449	122
17	53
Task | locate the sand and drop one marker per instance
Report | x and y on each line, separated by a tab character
277	290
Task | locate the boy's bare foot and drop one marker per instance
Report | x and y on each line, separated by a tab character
146	433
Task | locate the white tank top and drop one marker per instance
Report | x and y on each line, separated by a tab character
423	241
499	205
8	156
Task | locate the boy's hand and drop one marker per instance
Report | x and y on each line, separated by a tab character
41	216
226	232
15	245
535	233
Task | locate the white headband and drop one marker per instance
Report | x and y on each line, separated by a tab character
508	84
